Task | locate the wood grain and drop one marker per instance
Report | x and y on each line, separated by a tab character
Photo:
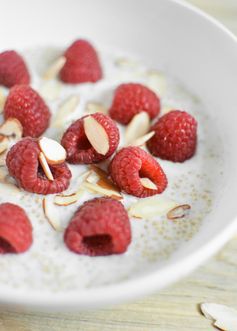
174	309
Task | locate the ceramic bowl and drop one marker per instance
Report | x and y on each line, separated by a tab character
200	53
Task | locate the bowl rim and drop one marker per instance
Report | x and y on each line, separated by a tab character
129	289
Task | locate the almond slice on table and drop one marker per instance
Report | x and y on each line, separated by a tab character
45	166
95	188
4	143
225	318
137	127
96	135
178	212
54	68
2	100
67	107
66	200
151	207
52	150
50	214
156	81
147	183
11	128
95	107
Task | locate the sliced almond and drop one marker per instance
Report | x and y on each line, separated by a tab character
45	166
65	109
156	81
151	207
50	90
92	178
178	212
2	100
95	188
142	140
225	317
50	214
55	68
147	183
66	200
4	143
3	174
96	135
52	150
3	158
138	126
95	107
11	128
104	180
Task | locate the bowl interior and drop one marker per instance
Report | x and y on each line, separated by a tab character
176	39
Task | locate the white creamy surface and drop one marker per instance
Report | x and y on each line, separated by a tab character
49	265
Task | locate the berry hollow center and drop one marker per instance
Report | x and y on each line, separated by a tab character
6	247
83	144
98	243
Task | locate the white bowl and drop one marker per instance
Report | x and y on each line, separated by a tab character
188	44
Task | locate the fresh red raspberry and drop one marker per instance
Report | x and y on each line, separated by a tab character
13	69
130	99
15	229
99	227
175	136
79	149
82	64
23	164
131	164
29	108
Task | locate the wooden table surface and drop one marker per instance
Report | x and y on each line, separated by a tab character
174	309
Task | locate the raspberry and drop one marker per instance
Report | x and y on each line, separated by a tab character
29	108
13	69
132	163
15	229
79	149
130	99
175	136
82	64
99	227
23	165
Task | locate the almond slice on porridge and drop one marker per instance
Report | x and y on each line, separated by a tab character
52	150
66	108
137	127
54	69
96	135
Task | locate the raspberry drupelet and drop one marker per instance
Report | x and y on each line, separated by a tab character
131	164
99	227
175	136
79	150
82	64
23	165
29	108
13	69
130	99
15	229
